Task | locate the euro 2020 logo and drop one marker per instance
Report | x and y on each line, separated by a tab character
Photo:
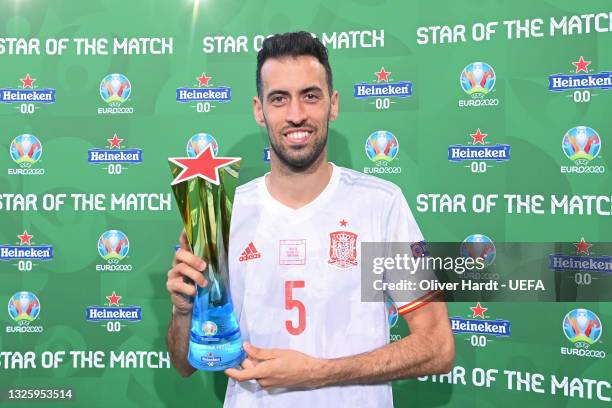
113	246
24	308
582	145
381	147
582	327
392	313
478	79
479	246
26	150
115	89
209	328
198	142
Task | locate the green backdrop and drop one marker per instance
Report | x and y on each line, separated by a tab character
529	118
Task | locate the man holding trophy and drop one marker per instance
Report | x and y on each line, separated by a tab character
293	261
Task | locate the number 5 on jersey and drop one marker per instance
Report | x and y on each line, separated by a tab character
291	303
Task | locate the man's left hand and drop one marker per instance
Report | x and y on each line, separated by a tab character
278	368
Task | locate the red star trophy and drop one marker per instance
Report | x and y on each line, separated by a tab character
204	188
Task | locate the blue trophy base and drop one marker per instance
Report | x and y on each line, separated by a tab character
216	357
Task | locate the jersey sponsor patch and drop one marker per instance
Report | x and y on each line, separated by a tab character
292	252
249	253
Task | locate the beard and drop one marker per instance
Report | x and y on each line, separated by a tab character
306	155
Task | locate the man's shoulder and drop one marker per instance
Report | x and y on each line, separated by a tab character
348	179
250	187
353	179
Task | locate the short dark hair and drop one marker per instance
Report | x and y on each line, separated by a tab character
292	45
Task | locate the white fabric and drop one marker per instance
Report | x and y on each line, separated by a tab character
337	323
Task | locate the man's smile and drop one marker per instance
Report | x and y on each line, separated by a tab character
298	136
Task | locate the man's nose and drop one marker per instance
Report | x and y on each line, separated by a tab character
296	114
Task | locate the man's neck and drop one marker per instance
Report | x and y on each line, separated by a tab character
295	190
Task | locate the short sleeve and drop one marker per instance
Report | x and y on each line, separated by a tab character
401	226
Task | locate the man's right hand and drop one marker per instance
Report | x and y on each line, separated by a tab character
186	269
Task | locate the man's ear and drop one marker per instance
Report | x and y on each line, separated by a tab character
258	112
333	111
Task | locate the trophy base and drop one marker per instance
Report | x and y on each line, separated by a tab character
215	357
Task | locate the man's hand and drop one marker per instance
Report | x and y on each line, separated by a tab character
278	368
429	349
186	269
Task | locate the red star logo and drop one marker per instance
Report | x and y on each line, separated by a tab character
115	142
581	65
478	137
382	75
27	81
25	238
113	300
583	247
478	310
203	79
343	223
205	165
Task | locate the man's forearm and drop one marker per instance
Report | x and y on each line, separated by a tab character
177	340
410	357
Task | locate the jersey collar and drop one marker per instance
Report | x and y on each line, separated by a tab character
299	214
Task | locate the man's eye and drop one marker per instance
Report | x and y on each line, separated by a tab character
278	99
311	97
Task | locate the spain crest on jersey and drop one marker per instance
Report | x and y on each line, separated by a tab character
342	249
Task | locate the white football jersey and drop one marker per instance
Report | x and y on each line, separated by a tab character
295	281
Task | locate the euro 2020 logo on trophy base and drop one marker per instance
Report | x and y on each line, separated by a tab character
204	188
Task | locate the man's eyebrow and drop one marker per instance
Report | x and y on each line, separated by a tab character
313	88
277	92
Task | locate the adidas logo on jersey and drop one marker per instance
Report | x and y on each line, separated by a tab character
250	252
